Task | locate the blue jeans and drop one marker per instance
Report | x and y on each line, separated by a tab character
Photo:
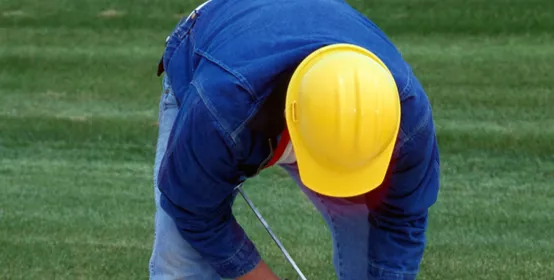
351	222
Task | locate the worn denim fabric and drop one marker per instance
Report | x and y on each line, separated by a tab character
220	63
172	256
351	222
381	235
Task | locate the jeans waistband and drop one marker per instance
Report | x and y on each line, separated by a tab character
182	28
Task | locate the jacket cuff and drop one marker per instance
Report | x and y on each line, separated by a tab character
379	273
242	262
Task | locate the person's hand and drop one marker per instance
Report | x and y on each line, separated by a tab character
260	272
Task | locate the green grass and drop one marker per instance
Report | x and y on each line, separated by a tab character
78	106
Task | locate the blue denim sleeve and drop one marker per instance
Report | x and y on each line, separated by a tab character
197	180
399	221
400	209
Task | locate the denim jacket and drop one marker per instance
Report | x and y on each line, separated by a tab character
222	62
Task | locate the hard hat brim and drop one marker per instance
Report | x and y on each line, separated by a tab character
323	179
330	182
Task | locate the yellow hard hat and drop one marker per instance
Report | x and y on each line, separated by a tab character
343	116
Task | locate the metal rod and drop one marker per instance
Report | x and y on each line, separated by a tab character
264	223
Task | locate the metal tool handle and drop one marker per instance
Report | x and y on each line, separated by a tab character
264	223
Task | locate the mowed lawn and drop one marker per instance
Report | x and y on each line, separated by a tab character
78	112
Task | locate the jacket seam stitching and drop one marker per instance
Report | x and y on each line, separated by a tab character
243	81
407	86
223	130
233	256
394	271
